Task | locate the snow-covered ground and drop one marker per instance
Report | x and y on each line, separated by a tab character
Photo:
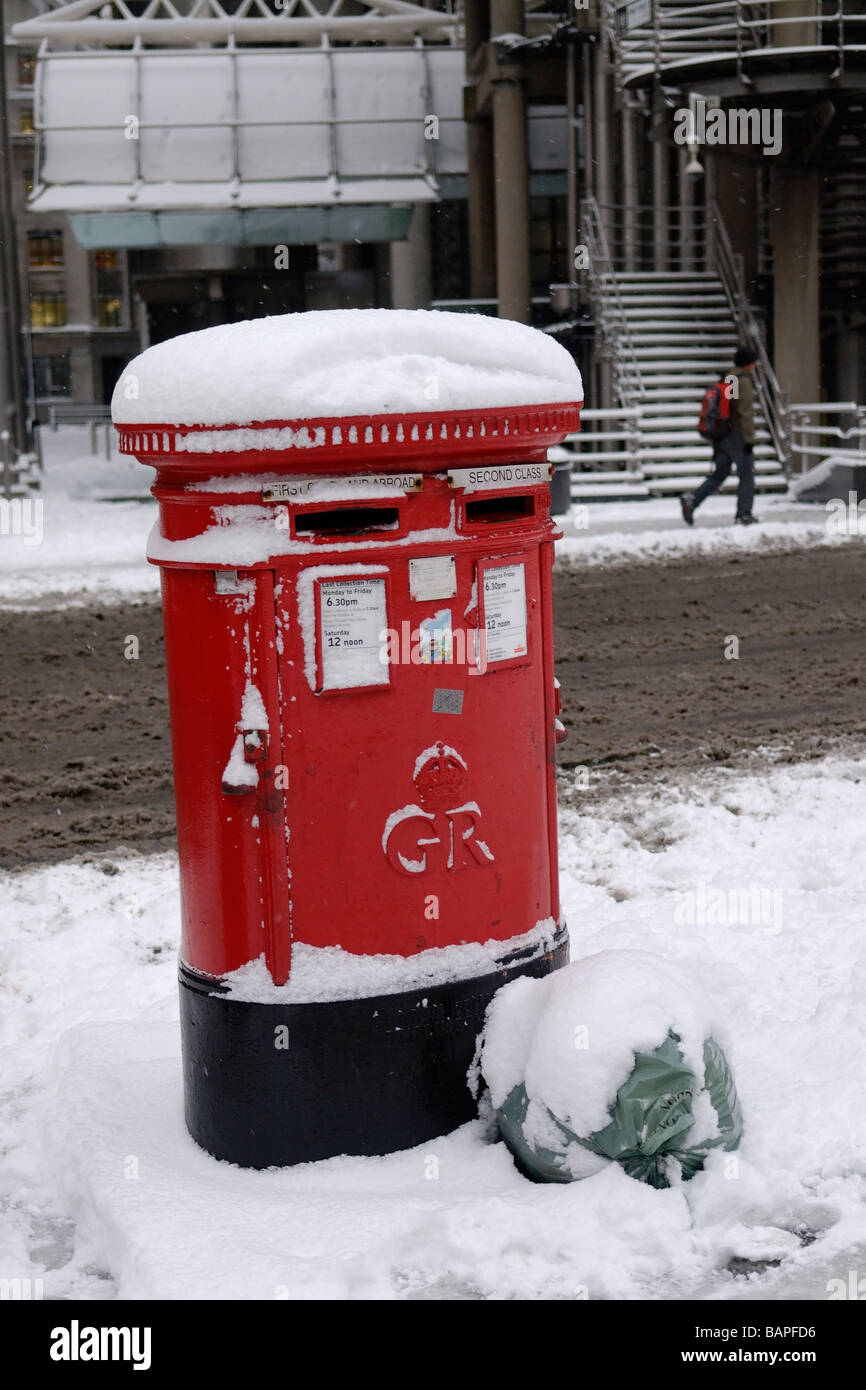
751	883
68	543
606	533
89	540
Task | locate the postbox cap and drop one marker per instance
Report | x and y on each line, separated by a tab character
318	389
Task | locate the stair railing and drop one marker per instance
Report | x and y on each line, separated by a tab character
608	307
774	405
685	241
651	40
815	435
615	446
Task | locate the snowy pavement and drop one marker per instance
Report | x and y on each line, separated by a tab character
605	533
751	883
80	547
88	542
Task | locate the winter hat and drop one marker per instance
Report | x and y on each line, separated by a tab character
745	356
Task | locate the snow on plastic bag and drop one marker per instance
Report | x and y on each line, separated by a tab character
613	1058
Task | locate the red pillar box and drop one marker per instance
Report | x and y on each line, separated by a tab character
359	639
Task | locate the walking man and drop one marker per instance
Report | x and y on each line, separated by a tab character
736	449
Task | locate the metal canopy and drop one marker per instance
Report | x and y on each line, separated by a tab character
237	227
245	128
194	115
255	21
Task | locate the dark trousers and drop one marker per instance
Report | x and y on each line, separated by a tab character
729	454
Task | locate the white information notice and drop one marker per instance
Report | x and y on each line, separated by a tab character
353	616
505	612
432	576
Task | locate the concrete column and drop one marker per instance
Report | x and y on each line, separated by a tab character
511	180
589	156
601	138
82	374
630	214
410	263
482	219
711	180
78	277
661	192
142	322
605	385
216	293
850	383
510	173
571	90
735	195
686	201
474	34
794	232
794	35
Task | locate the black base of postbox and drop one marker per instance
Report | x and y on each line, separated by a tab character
358	1076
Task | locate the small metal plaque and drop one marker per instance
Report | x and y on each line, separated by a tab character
447	701
432	576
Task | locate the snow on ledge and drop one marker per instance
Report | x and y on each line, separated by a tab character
339	362
325	973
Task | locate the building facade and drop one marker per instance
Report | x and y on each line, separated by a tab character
535	160
171	175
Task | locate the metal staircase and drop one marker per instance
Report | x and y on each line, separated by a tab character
684	334
668	334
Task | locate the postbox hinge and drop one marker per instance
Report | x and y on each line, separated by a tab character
255	745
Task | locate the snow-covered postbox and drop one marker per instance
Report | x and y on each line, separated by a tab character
356	550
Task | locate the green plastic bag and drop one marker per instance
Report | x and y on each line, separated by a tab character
650	1120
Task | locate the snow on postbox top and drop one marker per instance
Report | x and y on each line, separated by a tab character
335	389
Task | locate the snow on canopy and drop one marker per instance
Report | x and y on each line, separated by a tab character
343	362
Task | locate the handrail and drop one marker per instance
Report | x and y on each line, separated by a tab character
767	387
675	33
632	233
802	431
617	412
605	292
628	437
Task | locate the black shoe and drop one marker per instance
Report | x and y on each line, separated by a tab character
746	520
687	503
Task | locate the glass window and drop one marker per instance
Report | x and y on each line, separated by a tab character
26	69
25	121
449	236
51	376
47	310
547	236
109	312
45	250
27	176
108	295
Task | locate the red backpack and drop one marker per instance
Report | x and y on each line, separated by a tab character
714	422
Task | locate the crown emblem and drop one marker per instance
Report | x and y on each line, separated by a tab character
439	775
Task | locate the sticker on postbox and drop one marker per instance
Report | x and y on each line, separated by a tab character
435	638
504	598
353	615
